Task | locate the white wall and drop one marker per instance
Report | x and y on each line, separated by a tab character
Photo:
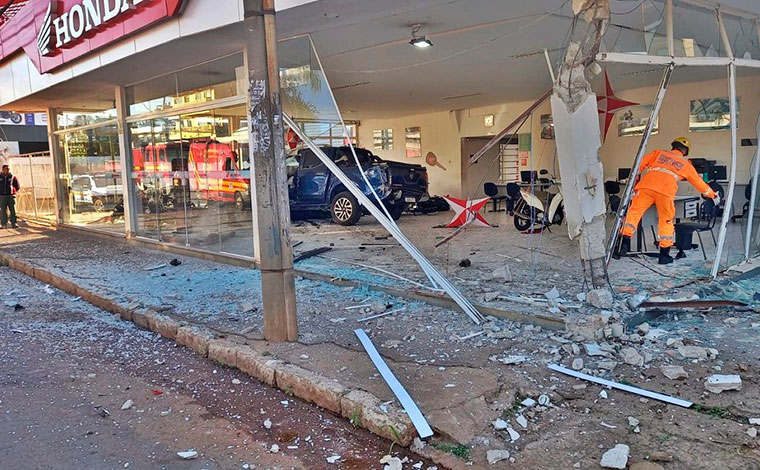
442	133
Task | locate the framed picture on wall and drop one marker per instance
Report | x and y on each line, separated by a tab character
547	127
413	142
711	114
634	120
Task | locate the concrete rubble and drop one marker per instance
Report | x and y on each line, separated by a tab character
617	457
718	383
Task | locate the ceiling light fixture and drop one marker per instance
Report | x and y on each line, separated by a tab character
419	40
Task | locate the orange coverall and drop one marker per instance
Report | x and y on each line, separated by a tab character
660	173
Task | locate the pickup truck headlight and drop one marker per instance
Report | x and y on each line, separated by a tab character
397	195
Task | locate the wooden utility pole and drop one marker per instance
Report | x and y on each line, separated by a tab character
270	190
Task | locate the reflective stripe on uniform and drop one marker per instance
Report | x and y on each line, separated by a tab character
665	237
630	226
662	170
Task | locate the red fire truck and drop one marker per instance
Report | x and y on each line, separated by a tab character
196	171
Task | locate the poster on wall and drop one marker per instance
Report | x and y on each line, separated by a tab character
413	142
524	145
547	127
711	114
12	118
6	150
634	120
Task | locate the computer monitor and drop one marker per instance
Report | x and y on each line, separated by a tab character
528	176
623	173
702	165
718	173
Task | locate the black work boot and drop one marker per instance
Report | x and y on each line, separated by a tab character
624	248
665	257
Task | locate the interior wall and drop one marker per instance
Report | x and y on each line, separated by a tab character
442	132
439	135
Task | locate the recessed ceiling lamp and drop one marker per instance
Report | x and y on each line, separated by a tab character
419	40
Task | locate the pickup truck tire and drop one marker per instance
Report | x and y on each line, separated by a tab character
98	205
345	209
396	210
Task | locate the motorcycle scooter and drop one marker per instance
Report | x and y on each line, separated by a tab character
528	209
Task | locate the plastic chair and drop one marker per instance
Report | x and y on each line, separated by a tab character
708	215
612	188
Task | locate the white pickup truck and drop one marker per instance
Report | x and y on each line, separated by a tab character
95	191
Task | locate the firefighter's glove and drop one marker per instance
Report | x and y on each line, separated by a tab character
716	199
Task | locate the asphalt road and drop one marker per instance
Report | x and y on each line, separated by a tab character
67	368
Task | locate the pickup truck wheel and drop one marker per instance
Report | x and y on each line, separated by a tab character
396	210
345	209
98	205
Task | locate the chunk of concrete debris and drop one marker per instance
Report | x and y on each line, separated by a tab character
502	274
600	298
391	463
495	456
577	363
513	435
692	352
752	432
500	424
274	449
333	459
544	400
720	383
267	423
513	359
632	357
127	405
522	421
236	382
490	296
603	395
754	421
633	422
553	295
607	365
617	457
188	454
674	372
643	329
593	349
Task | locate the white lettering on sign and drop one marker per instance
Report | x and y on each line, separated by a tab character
58	30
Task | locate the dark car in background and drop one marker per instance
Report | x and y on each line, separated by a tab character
312	187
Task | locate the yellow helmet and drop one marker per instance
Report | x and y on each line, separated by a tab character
683	141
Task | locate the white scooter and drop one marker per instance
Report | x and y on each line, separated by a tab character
528	209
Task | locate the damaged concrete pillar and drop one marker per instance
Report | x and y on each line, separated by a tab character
576	124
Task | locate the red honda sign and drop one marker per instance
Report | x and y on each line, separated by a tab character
55	32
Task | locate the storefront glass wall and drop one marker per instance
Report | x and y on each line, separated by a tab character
90	164
191	170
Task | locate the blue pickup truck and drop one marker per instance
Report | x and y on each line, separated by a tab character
312	187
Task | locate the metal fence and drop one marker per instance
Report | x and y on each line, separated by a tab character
36	176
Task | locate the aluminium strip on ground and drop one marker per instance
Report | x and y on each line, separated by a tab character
414	413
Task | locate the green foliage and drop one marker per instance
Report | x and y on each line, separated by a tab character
461	451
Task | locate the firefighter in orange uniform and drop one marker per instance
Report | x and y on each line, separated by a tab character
660	172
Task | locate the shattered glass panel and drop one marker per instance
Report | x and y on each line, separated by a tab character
643	30
743	36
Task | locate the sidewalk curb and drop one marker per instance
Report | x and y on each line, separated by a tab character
359	406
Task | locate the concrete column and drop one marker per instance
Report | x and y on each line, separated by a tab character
270	190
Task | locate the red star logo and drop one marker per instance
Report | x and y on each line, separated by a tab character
609	104
467	212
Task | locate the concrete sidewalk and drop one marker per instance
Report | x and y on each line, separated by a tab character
461	385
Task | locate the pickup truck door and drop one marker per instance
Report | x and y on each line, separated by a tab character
311	179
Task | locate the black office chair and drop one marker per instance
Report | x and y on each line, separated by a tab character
612	188
513	195
492	191
708	215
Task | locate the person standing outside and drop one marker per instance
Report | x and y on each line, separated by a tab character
8	188
660	173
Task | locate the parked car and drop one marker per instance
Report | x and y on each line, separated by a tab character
312	187
100	192
411	178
